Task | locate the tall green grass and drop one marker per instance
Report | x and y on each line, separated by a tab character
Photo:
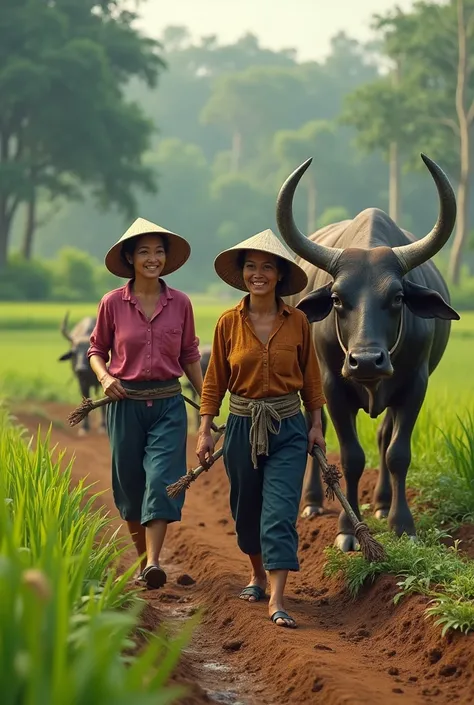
67	617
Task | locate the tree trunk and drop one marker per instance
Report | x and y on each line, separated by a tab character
311	204
30	227
465	118
236	151
4	233
394	183
462	221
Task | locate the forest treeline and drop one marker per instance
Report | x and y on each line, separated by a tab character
199	135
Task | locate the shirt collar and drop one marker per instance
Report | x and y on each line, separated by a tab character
243	306
127	294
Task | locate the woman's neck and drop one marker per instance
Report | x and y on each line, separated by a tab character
146	287
263	305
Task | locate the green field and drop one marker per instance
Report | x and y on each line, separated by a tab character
31	343
441	470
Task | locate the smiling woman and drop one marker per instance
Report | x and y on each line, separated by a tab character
263	354
147	329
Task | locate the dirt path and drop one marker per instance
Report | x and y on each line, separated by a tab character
360	652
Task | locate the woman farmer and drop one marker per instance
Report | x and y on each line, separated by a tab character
148	330
263	354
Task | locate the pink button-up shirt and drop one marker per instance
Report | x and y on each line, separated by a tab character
142	349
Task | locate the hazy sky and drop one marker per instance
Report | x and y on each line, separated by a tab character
302	24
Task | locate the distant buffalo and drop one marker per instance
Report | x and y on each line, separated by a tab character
79	339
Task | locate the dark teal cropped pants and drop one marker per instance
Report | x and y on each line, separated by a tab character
265	501
148	444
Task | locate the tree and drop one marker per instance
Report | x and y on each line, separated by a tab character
384	117
64	121
253	104
318	140
442	91
183	204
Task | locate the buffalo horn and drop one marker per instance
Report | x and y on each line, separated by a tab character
64	330
416	253
319	255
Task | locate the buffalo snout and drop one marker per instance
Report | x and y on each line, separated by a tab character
368	364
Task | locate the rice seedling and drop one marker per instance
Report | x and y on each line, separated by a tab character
67	618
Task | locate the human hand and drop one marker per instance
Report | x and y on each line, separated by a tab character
315	437
205	448
112	387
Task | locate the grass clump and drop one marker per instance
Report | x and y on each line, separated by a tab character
425	566
444	480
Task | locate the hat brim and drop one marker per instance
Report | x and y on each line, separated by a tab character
179	251
227	268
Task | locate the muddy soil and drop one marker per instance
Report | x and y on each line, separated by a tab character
352	652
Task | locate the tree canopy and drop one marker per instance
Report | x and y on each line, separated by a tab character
65	120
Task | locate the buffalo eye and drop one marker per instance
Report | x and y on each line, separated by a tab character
336	300
397	300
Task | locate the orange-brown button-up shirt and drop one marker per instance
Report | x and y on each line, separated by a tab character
242	364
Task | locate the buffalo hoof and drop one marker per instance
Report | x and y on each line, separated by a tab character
101	429
82	432
381	513
347	543
311	510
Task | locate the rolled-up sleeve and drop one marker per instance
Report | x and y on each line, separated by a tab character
217	376
189	341
312	391
102	336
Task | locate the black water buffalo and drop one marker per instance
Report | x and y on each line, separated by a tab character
79	339
383	323
189	389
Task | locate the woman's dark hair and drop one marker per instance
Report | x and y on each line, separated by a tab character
281	264
129	246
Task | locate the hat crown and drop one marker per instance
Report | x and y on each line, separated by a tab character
267	241
141	226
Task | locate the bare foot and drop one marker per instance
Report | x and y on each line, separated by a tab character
256	581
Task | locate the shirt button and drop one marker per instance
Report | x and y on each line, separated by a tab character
149	343
148	356
148	330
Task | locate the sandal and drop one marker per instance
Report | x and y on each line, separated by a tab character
154	576
252	591
283	615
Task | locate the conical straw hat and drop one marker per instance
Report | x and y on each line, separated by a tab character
178	249
227	267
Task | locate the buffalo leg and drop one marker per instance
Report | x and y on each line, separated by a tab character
343	417
383	491
312	494
398	455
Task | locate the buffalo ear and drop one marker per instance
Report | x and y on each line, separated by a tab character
426	303
66	356
317	305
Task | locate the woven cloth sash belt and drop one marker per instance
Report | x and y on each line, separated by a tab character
265	414
161	392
